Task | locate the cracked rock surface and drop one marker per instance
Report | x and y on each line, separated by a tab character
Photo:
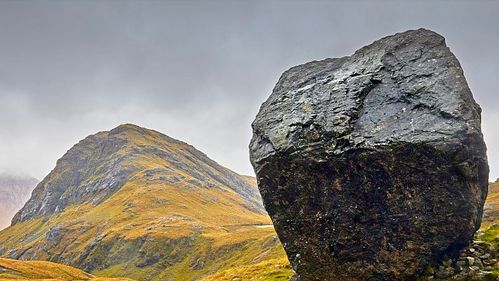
372	166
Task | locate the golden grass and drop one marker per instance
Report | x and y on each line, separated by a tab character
269	270
491	208
184	232
43	270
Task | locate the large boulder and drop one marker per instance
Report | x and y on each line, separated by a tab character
372	166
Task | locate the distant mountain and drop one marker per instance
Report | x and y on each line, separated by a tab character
135	203
15	190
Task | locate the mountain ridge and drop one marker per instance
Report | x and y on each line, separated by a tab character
132	202
112	180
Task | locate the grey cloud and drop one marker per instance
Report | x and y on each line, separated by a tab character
196	70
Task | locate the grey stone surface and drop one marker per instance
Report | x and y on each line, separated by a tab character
372	166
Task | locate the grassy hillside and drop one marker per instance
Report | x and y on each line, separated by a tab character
491	208
489	231
42	270
134	203
268	270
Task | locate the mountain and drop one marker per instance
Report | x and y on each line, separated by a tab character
132	202
46	271
15	190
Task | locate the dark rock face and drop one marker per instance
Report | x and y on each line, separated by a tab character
372	166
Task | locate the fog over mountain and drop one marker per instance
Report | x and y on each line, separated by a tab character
15	190
198	71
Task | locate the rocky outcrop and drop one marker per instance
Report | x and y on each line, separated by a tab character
15	190
372	166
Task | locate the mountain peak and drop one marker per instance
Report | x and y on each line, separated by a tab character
131	128
139	203
99	165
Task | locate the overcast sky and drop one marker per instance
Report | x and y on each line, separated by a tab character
198	71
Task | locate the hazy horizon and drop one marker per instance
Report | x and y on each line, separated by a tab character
198	71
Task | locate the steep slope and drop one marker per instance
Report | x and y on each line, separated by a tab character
135	203
15	190
491	208
42	270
